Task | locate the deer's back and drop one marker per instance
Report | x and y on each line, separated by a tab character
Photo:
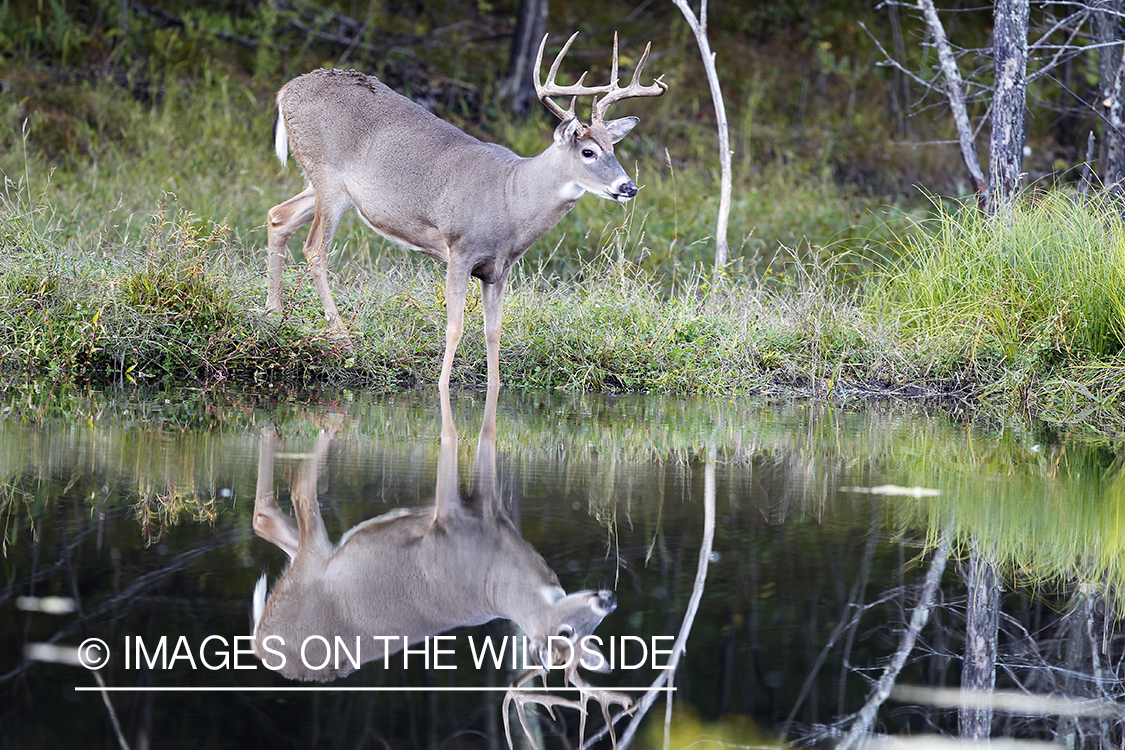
348	122
435	570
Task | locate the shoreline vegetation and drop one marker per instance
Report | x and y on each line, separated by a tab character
137	170
1022	316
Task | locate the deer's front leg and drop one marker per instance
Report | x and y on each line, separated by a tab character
283	220
456	289
269	522
492	300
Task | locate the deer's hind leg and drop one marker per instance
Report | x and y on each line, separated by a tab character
283	220
326	220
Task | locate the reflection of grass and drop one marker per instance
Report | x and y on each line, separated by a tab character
687	730
1051	513
158	509
1052	510
15	511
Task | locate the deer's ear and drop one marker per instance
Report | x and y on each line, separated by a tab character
618	129
566	131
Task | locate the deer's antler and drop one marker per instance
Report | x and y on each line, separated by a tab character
615	93
605	699
586	693
546	90
514	695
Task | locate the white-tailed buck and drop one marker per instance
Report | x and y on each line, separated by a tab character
411	573
422	183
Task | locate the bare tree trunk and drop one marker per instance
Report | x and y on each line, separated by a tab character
1009	103
982	626
531	26
1111	81
699	28
956	95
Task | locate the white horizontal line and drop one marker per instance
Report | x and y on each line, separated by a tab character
311	689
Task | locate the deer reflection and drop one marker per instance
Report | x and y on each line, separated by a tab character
408	574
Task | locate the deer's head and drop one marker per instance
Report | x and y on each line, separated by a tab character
590	146
560	637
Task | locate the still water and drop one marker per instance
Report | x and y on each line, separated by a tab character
787	546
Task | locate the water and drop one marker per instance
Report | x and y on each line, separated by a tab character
135	514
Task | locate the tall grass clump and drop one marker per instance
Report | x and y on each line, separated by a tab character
1040	287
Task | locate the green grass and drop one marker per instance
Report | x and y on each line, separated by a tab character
1029	309
1046	283
1024	315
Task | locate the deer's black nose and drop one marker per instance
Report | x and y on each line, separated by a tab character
628	190
606	599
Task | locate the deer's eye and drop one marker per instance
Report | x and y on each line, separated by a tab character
565	630
588	153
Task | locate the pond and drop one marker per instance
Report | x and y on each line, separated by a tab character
801	552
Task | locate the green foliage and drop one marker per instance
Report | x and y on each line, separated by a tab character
1046	283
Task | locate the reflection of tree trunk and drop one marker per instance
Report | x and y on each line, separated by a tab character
679	646
1085	644
866	716
982	614
531	26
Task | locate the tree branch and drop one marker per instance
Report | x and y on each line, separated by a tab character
956	96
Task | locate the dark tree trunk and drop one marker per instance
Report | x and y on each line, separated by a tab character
1009	103
517	90
1111	82
982	626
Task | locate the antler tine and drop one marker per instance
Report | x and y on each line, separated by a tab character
604	698
550	88
613	73
634	89
546	700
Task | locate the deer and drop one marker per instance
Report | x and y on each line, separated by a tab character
419	572
424	184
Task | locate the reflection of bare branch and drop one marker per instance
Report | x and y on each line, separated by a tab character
668	675
112	712
866	716
845	623
132	593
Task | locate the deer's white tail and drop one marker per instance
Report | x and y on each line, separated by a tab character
280	137
259	605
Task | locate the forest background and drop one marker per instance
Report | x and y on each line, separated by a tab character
137	153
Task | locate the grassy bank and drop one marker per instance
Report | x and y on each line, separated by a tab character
1023	315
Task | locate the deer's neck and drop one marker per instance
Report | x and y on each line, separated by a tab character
541	193
516	591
